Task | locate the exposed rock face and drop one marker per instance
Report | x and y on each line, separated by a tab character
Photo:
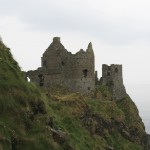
112	78
146	141
60	67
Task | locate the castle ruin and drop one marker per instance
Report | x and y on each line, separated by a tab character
60	67
75	72
112	78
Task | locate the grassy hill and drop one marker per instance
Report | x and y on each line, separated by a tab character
32	118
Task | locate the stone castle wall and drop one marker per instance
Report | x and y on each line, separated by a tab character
112	78
76	71
60	67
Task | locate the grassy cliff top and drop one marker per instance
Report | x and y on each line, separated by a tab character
31	118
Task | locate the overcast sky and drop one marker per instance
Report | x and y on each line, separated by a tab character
118	29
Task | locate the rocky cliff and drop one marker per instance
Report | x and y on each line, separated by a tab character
31	118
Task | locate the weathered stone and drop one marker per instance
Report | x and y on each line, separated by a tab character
146	141
109	147
58	135
76	72
112	78
97	82
126	134
60	67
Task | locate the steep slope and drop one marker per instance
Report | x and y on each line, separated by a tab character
32	118
22	109
98	123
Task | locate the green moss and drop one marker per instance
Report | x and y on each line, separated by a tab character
120	143
106	109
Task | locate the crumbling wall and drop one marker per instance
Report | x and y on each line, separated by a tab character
60	67
112	78
76	71
83	70
36	76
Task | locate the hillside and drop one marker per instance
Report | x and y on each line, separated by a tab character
32	118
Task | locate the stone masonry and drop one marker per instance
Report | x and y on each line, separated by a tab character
60	67
76	72
112	78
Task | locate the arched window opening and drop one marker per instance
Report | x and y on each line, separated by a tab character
85	73
41	79
45	63
28	79
116	70
62	63
108	73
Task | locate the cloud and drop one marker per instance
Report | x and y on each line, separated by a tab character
117	22
118	29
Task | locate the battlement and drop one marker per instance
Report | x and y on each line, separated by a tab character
112	70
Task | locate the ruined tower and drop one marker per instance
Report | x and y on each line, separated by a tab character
76	72
112	78
60	67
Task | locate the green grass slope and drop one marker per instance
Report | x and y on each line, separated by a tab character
31	118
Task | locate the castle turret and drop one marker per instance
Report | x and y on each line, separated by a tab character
112	78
